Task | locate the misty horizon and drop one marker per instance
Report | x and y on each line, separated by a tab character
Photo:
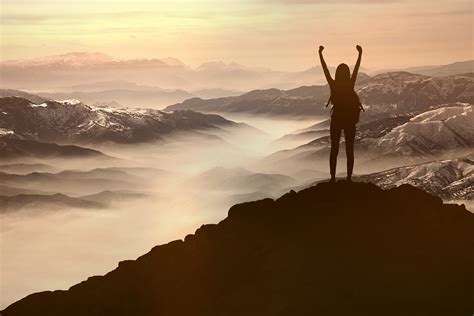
104	57
100	79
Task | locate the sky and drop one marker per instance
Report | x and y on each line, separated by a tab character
279	34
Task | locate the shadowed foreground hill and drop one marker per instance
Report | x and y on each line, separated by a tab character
373	252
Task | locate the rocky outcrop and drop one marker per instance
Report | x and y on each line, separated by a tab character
332	249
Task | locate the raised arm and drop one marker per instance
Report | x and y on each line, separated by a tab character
357	65
325	67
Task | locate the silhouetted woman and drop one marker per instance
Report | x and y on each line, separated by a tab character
345	111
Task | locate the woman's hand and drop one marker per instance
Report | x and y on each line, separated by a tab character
357	65
325	67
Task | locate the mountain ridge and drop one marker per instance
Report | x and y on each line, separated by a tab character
14	147
72	121
41	202
439	133
384	94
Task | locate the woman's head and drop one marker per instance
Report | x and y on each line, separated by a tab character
343	73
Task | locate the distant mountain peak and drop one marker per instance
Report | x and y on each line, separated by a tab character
219	65
72	59
171	61
82	59
399	75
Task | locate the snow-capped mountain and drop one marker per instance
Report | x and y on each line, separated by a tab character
318	134
119	93
145	97
447	127
401	140
449	179
431	132
71	121
403	92
383	95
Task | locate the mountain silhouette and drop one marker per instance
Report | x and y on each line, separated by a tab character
72	181
40	202
25	168
332	249
458	67
14	147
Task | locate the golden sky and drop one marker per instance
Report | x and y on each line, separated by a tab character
281	34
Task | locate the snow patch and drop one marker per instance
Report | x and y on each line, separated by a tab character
42	105
441	114
69	101
4	132
431	131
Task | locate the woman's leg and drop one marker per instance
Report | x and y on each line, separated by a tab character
335	132
349	136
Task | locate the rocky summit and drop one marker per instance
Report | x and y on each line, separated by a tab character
332	249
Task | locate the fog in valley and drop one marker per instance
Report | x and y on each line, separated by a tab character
178	188
101	211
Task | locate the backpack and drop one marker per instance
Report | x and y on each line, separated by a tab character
346	106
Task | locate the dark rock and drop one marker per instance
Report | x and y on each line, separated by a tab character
332	249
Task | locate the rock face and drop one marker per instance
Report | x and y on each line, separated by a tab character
333	249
